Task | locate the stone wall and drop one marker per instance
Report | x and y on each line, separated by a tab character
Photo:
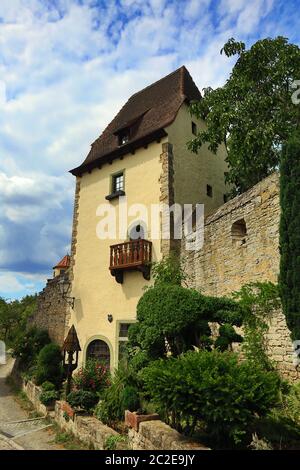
156	435
33	393
86	428
231	258
52	311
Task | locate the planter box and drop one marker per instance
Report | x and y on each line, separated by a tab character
133	420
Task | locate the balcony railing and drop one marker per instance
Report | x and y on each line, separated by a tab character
133	255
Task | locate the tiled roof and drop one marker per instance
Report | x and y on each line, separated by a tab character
147	113
64	263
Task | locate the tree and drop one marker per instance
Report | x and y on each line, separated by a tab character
253	113
289	279
14	316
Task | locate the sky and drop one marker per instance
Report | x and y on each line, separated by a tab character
66	68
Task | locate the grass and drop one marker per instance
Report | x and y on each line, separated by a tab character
68	440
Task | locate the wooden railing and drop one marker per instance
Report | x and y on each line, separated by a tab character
130	254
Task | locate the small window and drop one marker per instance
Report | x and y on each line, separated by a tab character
123	338
209	190
225	198
194	128
124	137
123	332
118	183
239	232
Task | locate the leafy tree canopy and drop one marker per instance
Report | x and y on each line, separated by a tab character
253	113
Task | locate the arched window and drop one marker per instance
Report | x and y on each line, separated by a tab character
239	232
99	350
137	231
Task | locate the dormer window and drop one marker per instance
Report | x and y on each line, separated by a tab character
124	137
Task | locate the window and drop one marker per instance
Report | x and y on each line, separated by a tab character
124	137
137	232
99	350
194	128
123	338
225	198
118	183
209	190
239	232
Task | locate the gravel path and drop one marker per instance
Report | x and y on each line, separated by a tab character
11	417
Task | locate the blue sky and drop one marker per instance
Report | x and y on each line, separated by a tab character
66	67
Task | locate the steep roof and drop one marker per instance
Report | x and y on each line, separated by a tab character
64	262
147	113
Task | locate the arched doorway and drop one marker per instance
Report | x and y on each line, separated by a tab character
137	231
99	350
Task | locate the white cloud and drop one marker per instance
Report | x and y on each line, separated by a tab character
66	68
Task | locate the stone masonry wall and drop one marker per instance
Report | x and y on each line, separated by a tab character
52	311
226	262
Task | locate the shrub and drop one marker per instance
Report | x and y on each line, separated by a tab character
28	344
48	386
93	376
82	399
49	367
130	398
48	397
213	388
173	319
121	393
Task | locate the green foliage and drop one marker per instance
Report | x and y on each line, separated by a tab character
253	112
130	398
48	397
258	301
173	319
13	317
211	388
28	344
291	403
117	396
112	442
49	365
289	279
48	386
168	271
93	376
83	399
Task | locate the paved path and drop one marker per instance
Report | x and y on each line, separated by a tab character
17	430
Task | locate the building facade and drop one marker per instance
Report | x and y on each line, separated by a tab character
142	155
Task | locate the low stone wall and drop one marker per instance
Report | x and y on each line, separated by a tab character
86	428
156	435
33	393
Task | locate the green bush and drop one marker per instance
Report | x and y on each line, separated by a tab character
28	344
211	388
82	399
48	397
130	398
93	376
121	393
49	365
48	386
179	317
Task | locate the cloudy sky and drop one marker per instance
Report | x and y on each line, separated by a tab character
66	67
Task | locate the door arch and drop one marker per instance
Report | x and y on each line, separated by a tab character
98	349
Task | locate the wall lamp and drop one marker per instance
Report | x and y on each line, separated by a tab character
64	287
110	317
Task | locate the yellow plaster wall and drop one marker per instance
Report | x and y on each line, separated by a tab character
192	172
96	291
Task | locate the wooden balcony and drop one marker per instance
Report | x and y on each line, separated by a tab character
133	255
